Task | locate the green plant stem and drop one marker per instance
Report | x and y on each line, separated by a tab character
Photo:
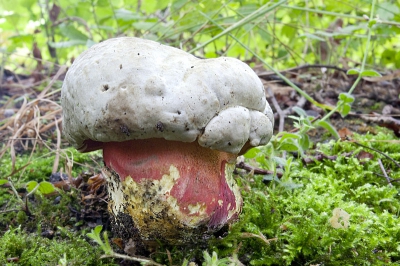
259	12
334	14
369	33
300	91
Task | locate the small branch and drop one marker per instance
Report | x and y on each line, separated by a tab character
57	157
300	103
378	151
278	109
257	171
14	190
259	236
384	172
12	210
132	258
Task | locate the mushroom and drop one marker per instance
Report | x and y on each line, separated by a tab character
170	126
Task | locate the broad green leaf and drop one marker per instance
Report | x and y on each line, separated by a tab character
46	187
3	181
72	33
389	56
328	126
289	31
304	142
312	37
346	97
299	111
31	185
148	6
252	153
290	145
324	33
287	135
370	73
353	71
20	41
90	43
126	15
351	28
345	109
387	10
67	44
143	25
280	160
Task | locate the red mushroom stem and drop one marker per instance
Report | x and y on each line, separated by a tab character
197	181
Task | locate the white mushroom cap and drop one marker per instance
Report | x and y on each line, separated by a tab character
130	88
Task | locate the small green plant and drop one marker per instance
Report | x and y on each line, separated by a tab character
104	245
214	261
109	252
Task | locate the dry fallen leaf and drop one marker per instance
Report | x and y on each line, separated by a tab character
340	219
344	133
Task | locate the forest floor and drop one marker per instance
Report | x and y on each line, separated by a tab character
31	141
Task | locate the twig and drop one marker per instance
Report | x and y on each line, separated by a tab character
57	157
384	172
14	190
300	103
259	236
12	210
378	151
132	258
257	171
278	109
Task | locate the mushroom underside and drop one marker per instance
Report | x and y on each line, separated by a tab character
172	191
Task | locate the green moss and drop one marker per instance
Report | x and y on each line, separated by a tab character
30	249
298	220
39	166
292	214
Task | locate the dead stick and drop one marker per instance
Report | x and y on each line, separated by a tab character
384	172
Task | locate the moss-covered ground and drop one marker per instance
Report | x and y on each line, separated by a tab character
333	206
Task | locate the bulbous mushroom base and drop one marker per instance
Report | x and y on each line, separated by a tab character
173	192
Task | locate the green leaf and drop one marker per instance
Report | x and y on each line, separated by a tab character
71	32
31	185
346	97
353	71
299	111
312	37
345	109
90	43
46	187
387	10
304	142
67	43
252	153
328	126
370	73
3	181
289	31
143	25
290	145
126	15
286	135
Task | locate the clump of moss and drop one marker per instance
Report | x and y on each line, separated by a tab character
30	249
287	221
39	167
